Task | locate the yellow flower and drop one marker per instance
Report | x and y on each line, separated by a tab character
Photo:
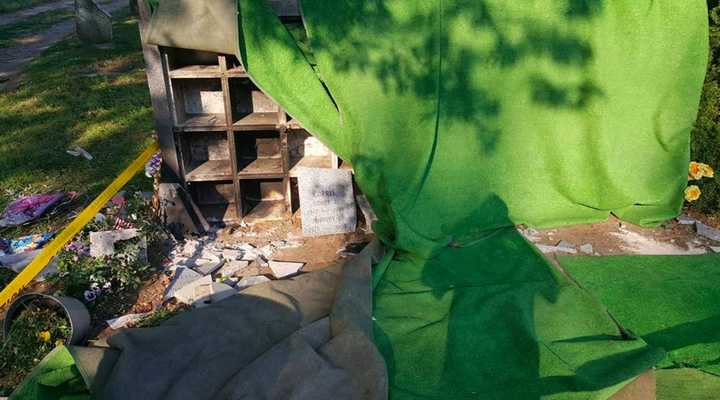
44	336
695	171
692	193
707	171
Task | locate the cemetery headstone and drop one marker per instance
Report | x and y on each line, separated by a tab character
327	202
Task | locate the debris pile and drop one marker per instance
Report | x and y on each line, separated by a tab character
206	271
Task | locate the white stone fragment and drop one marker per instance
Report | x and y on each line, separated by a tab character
232	267
587	248
708	232
125	320
251	281
183	277
284	269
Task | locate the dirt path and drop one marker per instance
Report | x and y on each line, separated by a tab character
16	16
14	59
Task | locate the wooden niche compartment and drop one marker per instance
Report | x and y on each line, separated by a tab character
264	199
205	156
259	154
216	200
304	150
251	108
183	63
198	104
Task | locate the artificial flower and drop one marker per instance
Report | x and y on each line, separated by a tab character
692	193
707	171
44	336
695	171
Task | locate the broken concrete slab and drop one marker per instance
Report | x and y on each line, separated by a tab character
232	254
207	263
93	24
707	231
197	290
183	277
685	220
587	249
715	249
251	281
232	267
102	244
125	320
206	293
282	269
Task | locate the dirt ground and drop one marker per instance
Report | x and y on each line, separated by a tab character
611	237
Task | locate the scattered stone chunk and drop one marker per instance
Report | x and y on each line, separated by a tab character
566	247
707	231
102	244
232	267
251	281
284	269
182	278
232	254
125	320
207	263
587	248
198	290
715	249
685	220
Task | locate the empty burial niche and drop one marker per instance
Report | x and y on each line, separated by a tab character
199	103
263	199
258	153
307	151
206	156
190	63
251	108
216	200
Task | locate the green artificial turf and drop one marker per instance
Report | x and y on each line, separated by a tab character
75	94
669	301
35	24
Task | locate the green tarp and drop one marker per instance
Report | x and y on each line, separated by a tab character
463	118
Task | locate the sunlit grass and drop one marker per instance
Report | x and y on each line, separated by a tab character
75	94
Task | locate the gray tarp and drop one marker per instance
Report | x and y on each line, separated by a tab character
309	337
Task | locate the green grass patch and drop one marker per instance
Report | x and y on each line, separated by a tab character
7	6
76	94
37	23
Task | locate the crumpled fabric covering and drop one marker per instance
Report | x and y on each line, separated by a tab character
28	208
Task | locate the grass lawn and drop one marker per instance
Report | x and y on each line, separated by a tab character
7	6
75	94
38	23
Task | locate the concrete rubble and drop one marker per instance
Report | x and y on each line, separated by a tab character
207	271
707	231
125	320
587	249
285	269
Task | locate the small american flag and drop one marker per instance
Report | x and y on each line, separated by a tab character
121	223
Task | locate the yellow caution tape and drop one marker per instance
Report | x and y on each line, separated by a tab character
51	250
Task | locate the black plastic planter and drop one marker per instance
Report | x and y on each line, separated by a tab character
74	310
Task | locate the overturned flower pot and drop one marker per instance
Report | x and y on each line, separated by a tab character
71	309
